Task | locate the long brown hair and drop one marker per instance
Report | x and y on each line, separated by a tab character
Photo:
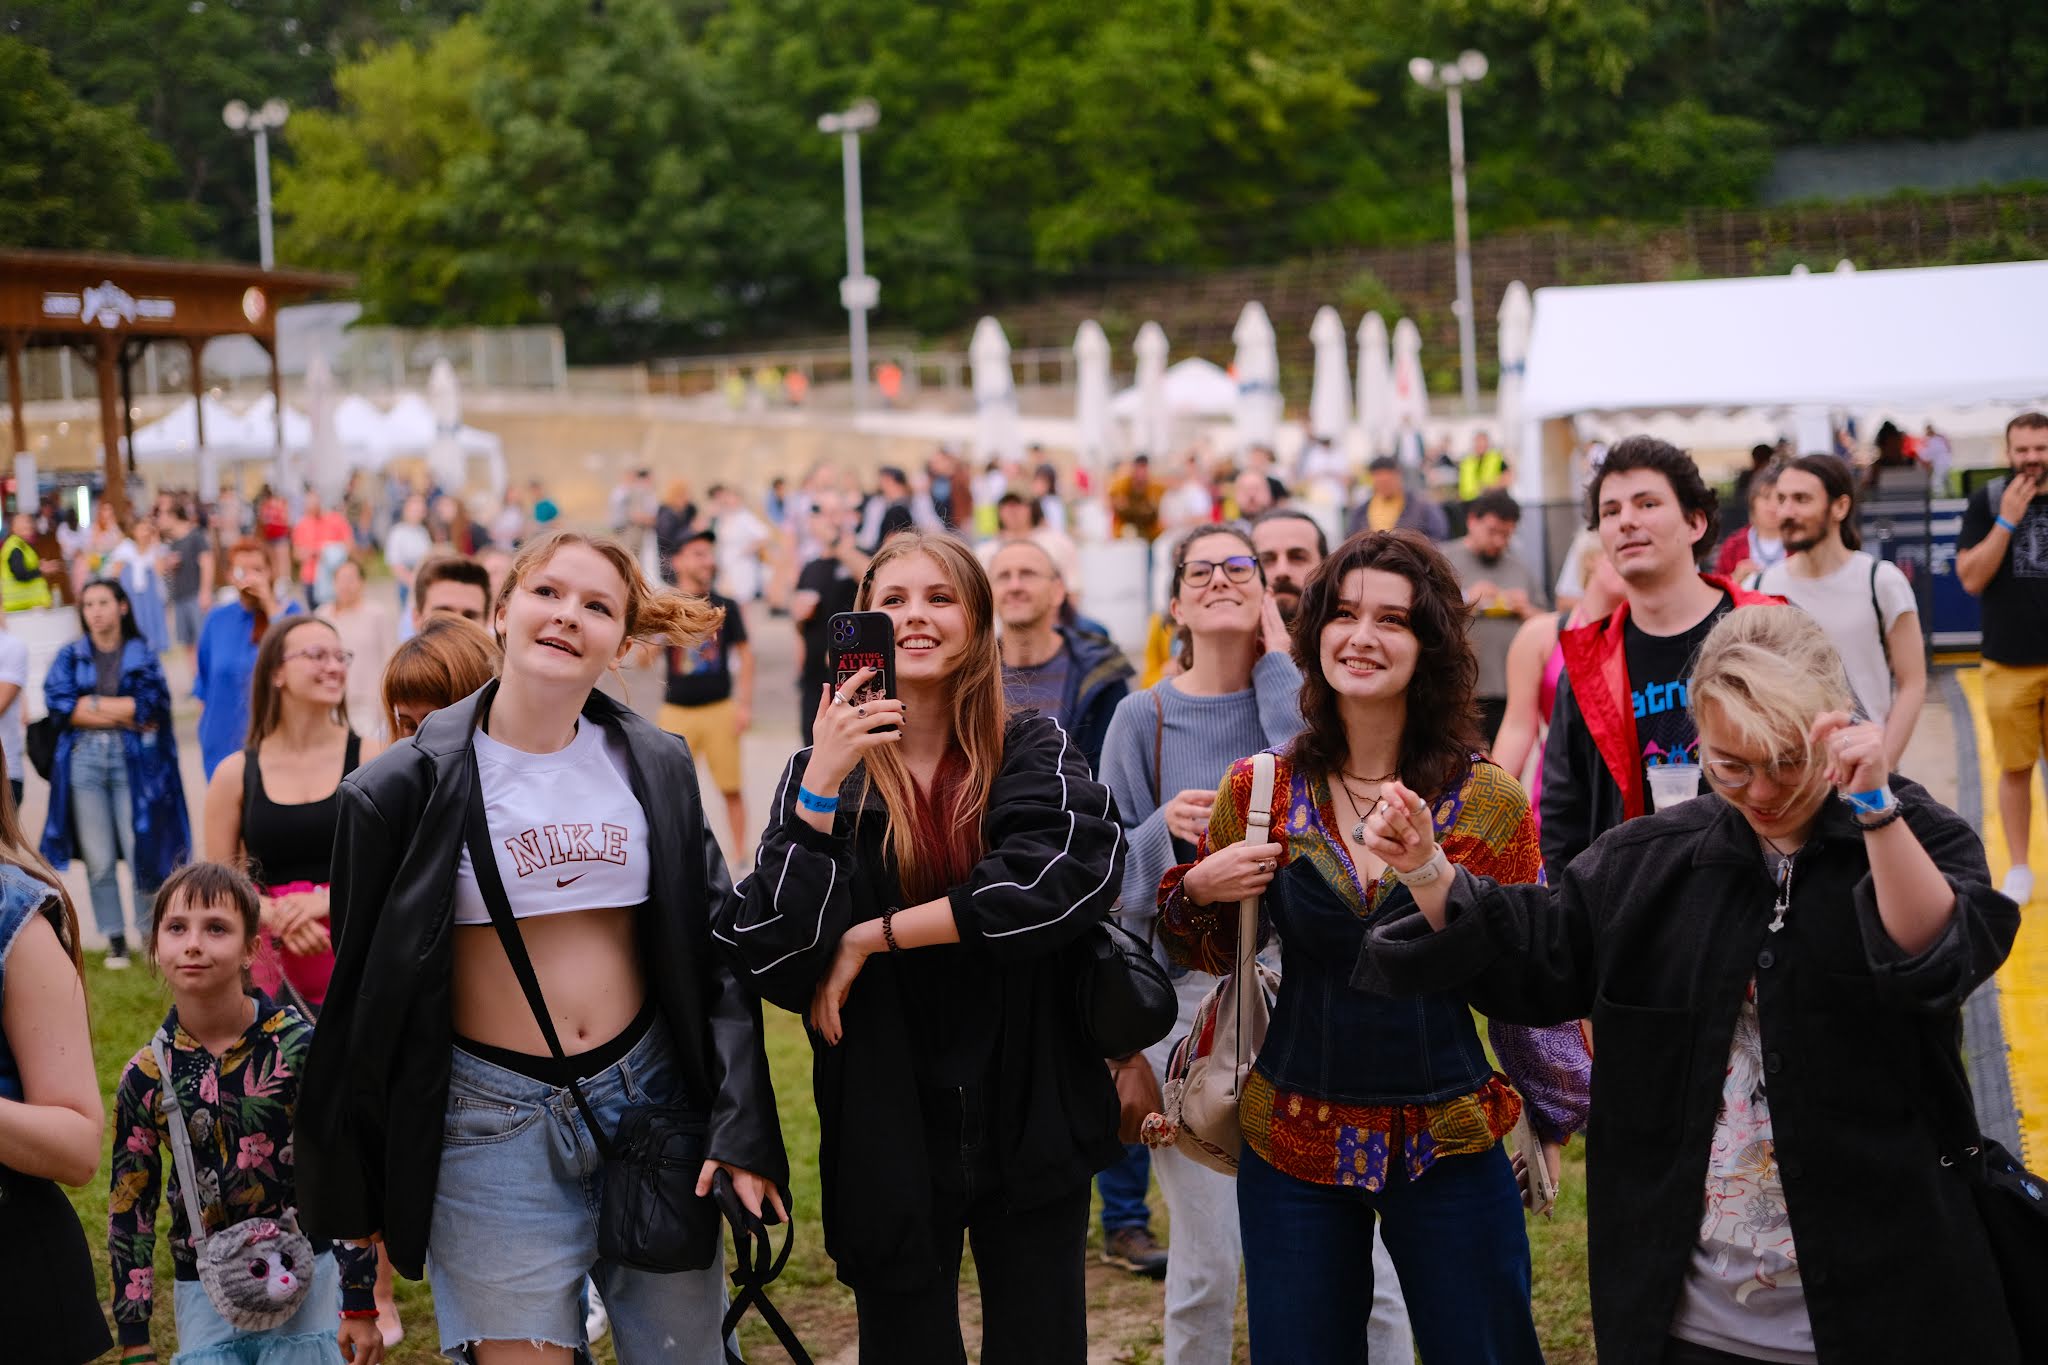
20	853
653	614
1441	731
266	699
928	867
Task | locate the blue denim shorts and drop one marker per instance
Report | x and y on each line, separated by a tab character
515	1217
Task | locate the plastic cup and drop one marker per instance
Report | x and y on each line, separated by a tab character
1673	784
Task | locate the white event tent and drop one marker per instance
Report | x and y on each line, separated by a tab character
1864	340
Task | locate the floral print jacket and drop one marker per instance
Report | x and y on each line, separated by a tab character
238	1109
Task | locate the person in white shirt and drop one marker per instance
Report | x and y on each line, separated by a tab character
406	546
1865	603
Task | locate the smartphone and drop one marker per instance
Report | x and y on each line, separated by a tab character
864	639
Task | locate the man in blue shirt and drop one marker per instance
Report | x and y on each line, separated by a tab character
227	652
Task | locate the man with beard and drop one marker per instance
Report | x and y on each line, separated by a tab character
1291	544
1077	677
1865	603
227	652
1502	590
1622	699
2003	559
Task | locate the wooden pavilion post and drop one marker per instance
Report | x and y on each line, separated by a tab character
197	345
14	396
126	362
109	380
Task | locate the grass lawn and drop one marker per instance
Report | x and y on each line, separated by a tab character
1123	1310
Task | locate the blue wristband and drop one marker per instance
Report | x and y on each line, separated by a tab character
811	801
1876	801
2003	524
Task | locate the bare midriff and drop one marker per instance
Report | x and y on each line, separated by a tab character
588	964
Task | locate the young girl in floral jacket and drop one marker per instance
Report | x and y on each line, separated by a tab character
235	1060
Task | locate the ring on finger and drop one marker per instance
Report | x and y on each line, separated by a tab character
839	699
861	712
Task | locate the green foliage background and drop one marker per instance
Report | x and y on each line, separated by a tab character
648	173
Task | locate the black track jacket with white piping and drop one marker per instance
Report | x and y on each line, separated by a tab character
1052	871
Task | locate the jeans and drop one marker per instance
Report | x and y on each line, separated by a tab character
1456	1234
514	1228
1123	1187
104	817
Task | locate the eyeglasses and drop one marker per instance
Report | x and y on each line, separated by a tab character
320	658
1733	775
1236	569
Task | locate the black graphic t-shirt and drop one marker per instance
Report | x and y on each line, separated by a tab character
2016	599
702	674
1659	669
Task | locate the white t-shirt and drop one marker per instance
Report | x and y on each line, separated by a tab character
1743	1294
13	720
568	832
1848	603
406	543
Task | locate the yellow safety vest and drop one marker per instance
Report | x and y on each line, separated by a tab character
1477	473
20	594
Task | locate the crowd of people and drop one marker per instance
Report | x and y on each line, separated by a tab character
462	926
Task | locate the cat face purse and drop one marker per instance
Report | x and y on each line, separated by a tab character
256	1273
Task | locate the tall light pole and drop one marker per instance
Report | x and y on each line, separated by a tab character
258	123
859	291
1452	78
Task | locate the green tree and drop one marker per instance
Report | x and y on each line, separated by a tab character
73	175
373	188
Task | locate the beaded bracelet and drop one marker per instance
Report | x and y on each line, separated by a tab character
816	804
888	929
1895	813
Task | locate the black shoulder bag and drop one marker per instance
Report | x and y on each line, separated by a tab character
652	1217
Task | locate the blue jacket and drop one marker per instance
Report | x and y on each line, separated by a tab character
227	660
22	896
163	830
1099	679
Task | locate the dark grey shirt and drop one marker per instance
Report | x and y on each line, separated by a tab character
1042	687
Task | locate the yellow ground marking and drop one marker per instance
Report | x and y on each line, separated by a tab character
2023	980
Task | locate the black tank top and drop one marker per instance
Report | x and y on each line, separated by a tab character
291	843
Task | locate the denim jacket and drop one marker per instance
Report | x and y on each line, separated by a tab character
22	897
156	791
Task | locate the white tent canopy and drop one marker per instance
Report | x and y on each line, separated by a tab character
1191	388
1906	338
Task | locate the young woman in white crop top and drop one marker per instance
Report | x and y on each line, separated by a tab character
596	828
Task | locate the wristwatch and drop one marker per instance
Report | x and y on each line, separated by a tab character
1436	867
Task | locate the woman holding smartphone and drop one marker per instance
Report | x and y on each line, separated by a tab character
435	1110
927	860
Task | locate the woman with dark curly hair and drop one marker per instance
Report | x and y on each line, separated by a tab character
1364	1109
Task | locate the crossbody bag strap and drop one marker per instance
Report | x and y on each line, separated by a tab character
181	1142
1158	750
1258	830
491	886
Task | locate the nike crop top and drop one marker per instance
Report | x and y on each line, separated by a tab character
567	829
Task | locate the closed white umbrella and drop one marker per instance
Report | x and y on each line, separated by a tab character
996	436
1375	386
444	456
1514	357
323	454
1153	434
1257	366
1411	396
1329	394
1091	395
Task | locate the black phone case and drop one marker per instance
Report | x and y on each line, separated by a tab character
864	639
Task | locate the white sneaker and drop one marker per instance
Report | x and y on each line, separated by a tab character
2018	885
116	961
596	1322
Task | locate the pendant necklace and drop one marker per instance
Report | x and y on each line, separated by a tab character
1358	826
1783	902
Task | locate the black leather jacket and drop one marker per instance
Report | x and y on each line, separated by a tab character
370	1108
